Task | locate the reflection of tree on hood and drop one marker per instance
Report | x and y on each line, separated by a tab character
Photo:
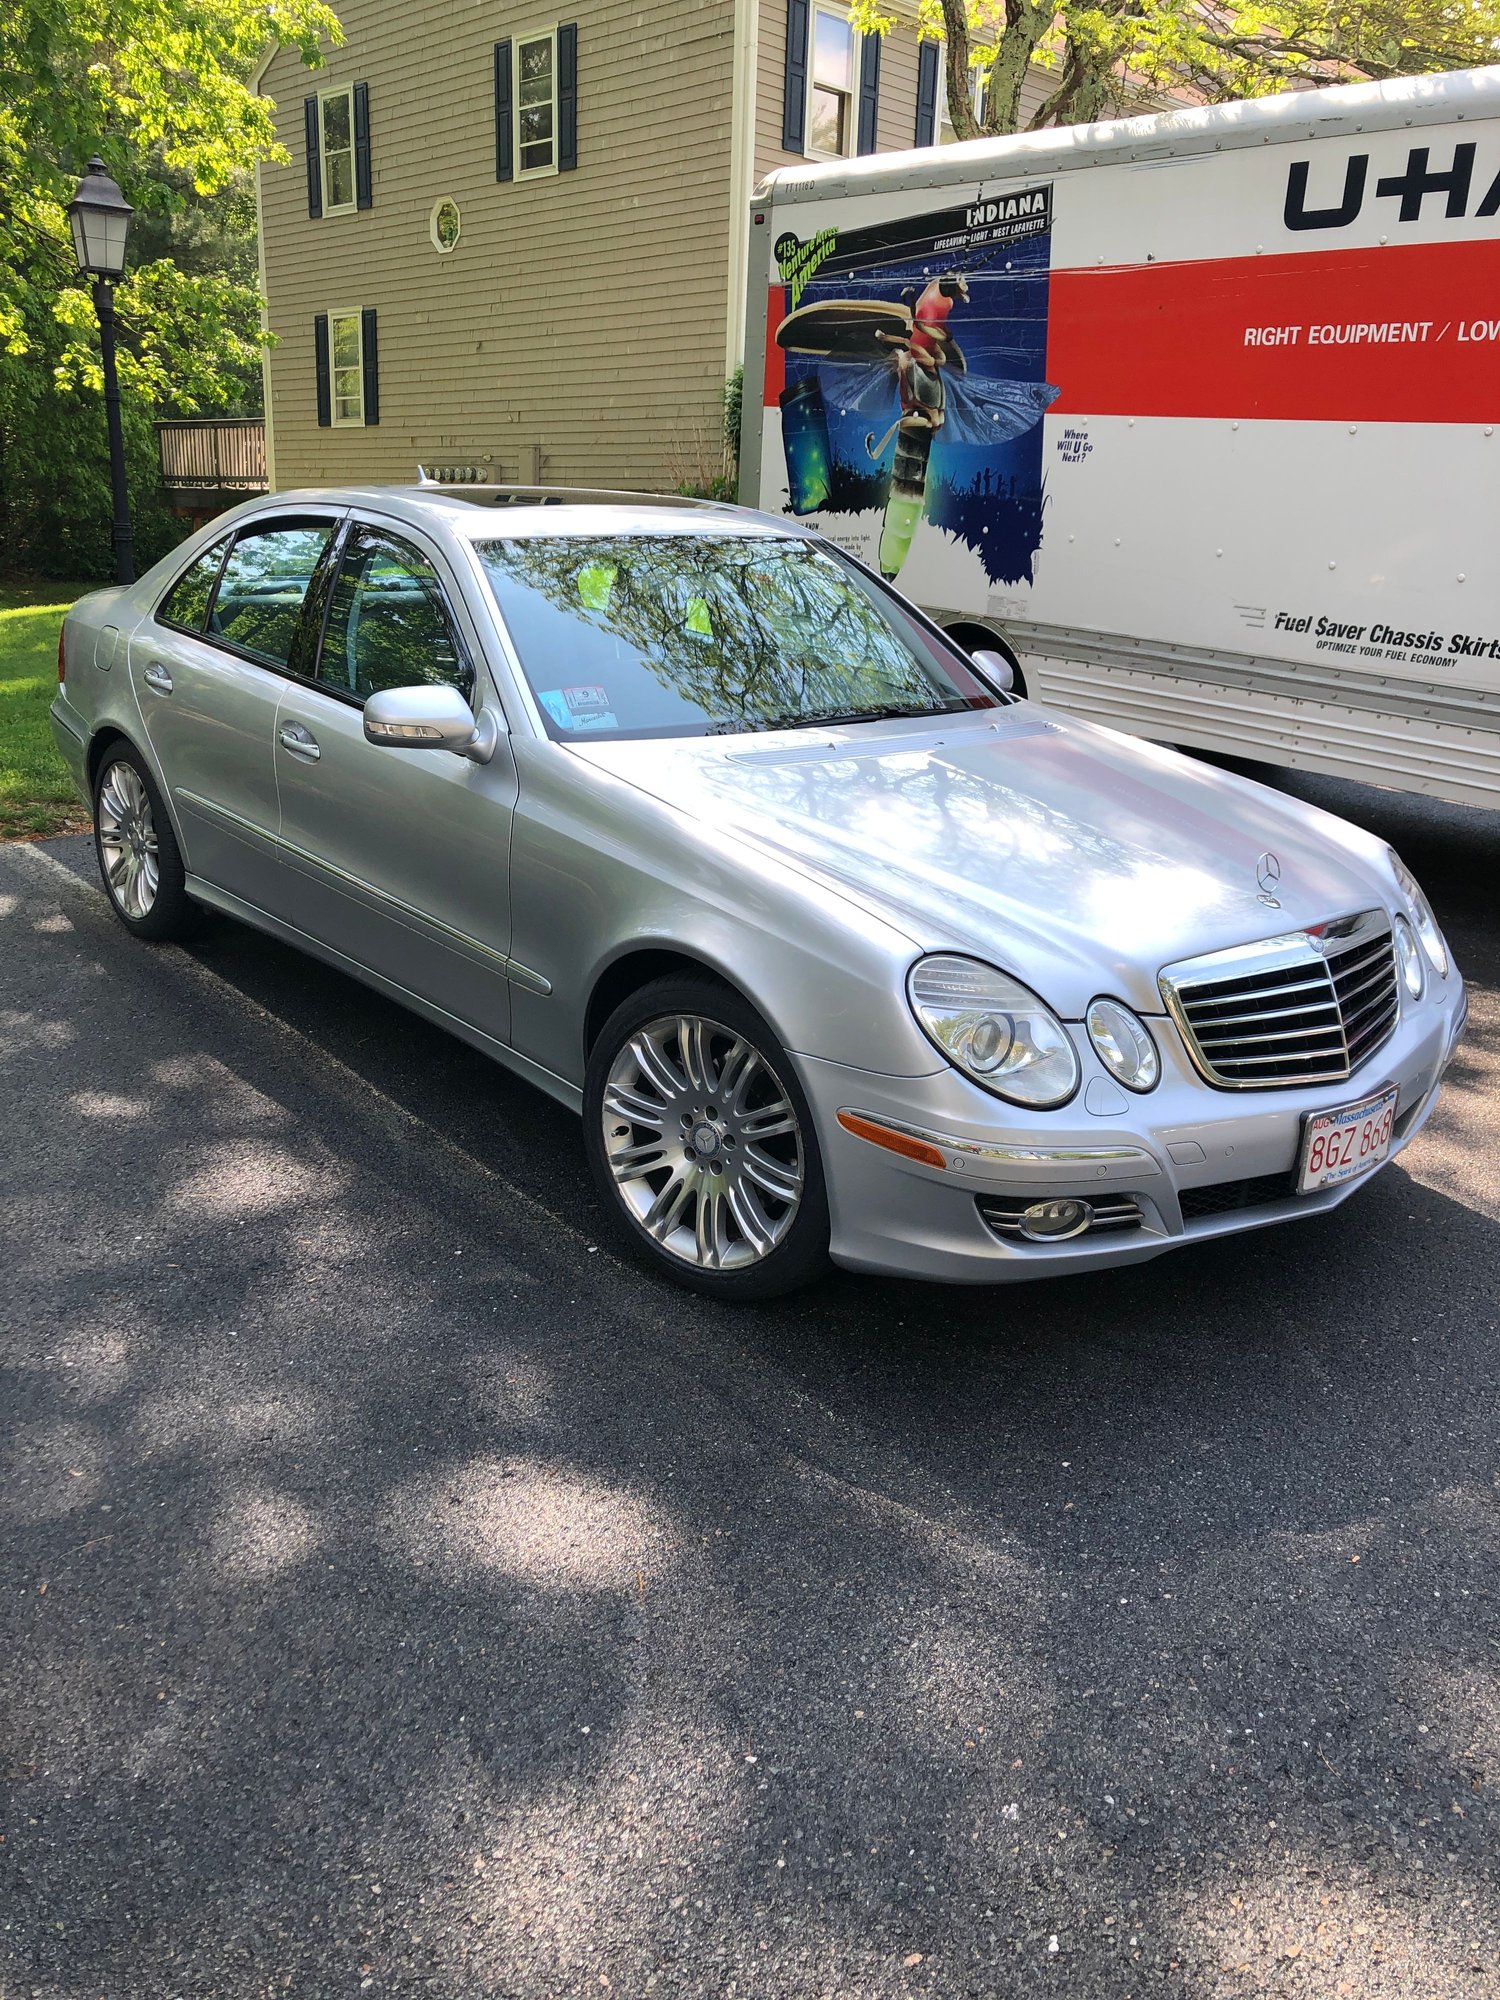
923	798
746	629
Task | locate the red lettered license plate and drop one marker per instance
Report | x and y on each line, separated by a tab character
1337	1145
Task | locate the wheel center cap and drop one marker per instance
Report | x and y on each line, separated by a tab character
705	1141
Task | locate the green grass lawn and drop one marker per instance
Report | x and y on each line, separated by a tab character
36	793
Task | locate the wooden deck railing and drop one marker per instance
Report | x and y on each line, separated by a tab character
213	454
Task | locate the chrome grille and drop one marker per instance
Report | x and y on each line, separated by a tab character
1305	1008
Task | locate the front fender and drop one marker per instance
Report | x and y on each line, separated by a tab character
601	871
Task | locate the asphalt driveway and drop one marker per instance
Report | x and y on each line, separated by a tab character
400	1595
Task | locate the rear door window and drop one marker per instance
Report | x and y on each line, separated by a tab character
258	606
186	603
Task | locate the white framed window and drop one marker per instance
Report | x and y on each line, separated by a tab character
346	367
536	104
832	78
336	148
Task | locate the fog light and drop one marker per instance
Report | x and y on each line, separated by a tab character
1054	1221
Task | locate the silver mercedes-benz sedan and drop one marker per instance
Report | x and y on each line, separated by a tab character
840	947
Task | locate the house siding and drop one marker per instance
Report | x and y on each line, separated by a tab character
1037	86
896	125
582	316
578	332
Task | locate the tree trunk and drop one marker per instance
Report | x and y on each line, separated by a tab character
1085	89
956	64
1025	24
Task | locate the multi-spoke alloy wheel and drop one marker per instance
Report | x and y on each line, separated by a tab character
137	850
128	846
702	1136
703	1142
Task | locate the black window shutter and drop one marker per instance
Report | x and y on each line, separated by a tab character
505	152
320	366
927	91
794	88
567	98
364	194
869	90
314	157
369	354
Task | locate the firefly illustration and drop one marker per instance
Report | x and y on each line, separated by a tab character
882	360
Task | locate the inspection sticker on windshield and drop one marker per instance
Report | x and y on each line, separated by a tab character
1337	1145
578	707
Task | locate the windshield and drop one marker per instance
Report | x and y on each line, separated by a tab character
688	635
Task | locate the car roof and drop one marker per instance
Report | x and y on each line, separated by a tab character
485	513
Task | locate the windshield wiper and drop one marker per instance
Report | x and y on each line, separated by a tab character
893	711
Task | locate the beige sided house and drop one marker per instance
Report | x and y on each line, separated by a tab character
508	237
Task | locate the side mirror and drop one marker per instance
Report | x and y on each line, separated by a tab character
430	718
996	669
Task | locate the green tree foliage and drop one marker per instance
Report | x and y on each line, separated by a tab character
1111	56
160	89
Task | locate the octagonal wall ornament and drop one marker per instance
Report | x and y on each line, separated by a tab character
444	225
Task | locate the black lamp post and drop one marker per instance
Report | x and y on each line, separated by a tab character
100	217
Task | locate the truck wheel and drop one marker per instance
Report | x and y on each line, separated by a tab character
701	1143
138	858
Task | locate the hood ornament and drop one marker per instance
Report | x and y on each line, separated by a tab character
1268	875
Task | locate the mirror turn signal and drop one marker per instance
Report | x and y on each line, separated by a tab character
430	718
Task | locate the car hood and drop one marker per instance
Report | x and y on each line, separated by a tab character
1079	859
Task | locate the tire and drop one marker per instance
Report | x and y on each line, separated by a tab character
701	1143
139	862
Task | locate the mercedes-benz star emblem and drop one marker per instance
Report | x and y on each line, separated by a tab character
1268	874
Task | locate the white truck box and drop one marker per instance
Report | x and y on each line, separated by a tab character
1199	411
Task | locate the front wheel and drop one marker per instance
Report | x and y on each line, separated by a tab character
701	1142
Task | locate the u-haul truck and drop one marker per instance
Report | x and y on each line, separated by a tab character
1199	412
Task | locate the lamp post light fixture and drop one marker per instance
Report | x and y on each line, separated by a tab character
99	216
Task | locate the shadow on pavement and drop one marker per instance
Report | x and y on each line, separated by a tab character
404	1598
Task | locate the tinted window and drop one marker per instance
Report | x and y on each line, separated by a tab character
186	603
262	590
388	624
653	634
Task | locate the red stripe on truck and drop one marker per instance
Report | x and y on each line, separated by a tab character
1405	334
776	311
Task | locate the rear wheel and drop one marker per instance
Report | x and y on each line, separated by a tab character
701	1142
138	857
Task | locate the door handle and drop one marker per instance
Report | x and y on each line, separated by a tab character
300	742
157	678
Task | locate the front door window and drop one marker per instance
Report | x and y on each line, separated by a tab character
388	625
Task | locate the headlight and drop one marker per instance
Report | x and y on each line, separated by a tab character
1422	917
994	1029
1408	957
1124	1045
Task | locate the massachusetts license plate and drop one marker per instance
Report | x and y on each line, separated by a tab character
1337	1145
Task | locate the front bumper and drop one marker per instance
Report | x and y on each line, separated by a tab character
1227	1158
